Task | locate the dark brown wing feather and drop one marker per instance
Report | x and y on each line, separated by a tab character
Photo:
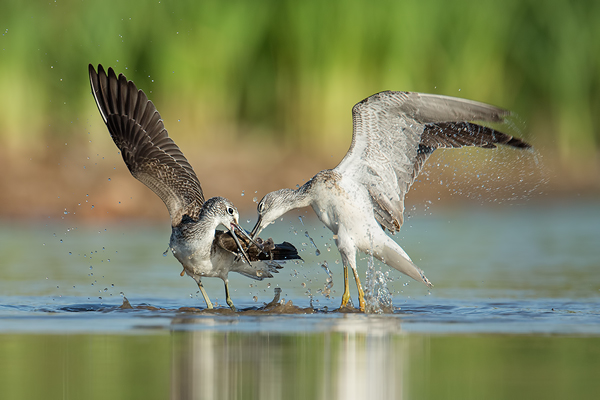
151	156
458	134
270	250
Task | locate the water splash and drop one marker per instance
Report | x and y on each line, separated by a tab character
326	291
499	176
310	297
317	251
378	297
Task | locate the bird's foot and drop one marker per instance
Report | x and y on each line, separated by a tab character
348	308
362	304
230	303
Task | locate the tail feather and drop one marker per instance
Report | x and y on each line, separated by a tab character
282	251
259	270
398	259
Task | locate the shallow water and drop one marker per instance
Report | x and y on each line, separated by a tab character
515	313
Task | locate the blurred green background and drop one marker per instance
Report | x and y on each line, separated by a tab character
284	74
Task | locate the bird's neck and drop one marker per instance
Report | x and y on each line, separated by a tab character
200	233
209	225
303	196
192	241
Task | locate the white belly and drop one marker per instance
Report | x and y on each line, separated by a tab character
348	205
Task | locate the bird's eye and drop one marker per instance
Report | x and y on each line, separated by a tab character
230	210
260	207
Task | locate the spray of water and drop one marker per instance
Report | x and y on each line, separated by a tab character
378	297
326	291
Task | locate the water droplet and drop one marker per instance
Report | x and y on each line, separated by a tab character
255	298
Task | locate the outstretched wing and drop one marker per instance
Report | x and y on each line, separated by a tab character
151	156
395	133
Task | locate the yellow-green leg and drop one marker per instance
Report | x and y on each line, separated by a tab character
361	293
204	294
346	295
228	298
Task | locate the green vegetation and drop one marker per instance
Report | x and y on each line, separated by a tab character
290	71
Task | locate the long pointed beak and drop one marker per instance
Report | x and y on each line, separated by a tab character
234	226
256	230
247	236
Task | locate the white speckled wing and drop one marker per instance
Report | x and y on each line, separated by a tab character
394	134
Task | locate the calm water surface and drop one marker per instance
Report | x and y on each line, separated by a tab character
515	313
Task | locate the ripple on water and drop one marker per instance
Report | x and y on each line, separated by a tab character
431	315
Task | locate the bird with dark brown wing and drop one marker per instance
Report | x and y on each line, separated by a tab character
155	160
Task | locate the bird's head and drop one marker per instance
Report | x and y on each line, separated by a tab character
226	214
271	207
222	211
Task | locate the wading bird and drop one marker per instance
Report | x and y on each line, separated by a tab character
155	160
393	135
